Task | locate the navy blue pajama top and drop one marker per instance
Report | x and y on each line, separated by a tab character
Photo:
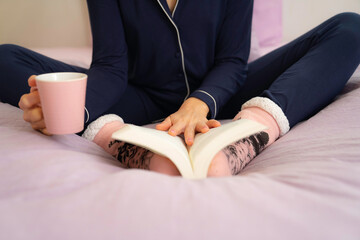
200	50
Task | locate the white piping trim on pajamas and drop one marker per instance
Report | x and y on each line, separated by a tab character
175	8
273	109
87	115
211	98
181	50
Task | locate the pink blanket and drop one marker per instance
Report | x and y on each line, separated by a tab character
304	186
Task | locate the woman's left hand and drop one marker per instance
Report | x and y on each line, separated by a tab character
189	119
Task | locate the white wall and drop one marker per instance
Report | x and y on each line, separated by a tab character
44	23
300	16
49	23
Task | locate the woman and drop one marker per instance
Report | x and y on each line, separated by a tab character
186	61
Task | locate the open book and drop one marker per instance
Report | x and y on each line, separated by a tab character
194	161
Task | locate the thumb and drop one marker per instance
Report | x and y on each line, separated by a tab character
32	81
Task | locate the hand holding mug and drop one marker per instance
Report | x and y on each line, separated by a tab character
30	104
62	97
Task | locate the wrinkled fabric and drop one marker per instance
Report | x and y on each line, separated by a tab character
304	186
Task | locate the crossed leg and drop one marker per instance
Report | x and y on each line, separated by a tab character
229	161
295	77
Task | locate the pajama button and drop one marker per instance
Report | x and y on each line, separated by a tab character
180	75
177	55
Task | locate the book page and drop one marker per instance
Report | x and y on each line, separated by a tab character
159	142
207	145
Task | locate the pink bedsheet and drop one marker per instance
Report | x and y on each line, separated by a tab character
304	186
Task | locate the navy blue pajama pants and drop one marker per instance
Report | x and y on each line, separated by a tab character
301	77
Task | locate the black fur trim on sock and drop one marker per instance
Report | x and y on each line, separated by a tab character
235	151
259	141
132	156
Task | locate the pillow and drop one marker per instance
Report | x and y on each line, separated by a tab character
255	51
267	22
266	31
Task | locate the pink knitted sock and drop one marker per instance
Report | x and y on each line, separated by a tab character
261	116
232	159
103	137
131	156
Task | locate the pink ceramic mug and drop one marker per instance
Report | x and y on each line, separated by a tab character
62	97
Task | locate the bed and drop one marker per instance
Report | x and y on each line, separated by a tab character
304	186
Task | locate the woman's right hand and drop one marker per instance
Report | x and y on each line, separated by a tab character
30	104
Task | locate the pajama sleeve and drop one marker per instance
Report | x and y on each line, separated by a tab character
232	51
107	76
